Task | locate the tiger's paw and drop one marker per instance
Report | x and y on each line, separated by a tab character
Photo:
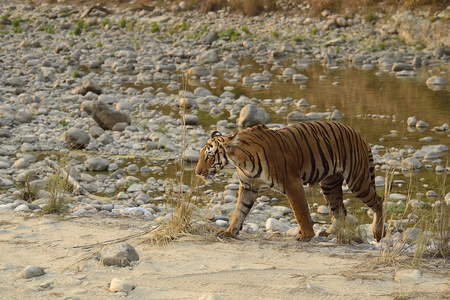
303	238
225	234
323	233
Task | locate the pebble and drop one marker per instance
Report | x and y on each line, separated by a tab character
118	285
32	271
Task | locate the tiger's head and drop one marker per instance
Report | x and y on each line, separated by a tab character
215	155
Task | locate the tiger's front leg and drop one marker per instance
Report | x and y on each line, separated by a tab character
244	204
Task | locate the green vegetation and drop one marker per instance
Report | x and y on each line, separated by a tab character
105	21
48	29
74	74
79	27
314	30
245	29
18	29
123	23
155	28
162	129
98	44
184	26
231	33
16	22
5	17
275	33
299	38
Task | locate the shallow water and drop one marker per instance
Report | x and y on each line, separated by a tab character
375	103
379	98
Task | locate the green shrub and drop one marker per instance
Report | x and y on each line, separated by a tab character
155	28
122	23
245	29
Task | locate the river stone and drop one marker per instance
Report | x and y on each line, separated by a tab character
77	138
106	117
121	126
210	57
397	67
289	72
198	71
417	61
96	131
27	176
422	124
32	271
324	210
118	285
252	115
191	119
96	164
297	116
23	116
189	103
275	225
410	235
5	133
411	121
208	37
15	81
436	80
124	105
21	163
202	92
91	86
341	22
192	155
411	163
337	115
118	255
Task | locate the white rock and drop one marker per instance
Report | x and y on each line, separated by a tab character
275	225
21	207
397	197
118	285
322	209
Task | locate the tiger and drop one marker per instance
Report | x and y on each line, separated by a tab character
286	159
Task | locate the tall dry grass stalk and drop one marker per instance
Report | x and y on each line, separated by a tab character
434	230
181	222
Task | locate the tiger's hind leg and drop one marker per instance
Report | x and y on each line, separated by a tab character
332	192
370	198
244	204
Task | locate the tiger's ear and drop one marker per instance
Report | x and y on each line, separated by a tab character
215	134
232	141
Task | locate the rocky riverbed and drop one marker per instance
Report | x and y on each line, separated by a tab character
114	86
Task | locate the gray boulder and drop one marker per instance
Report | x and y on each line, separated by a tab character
252	115
210	57
77	138
97	164
296	116
23	116
209	37
106	117
91	86
118	255
198	71
32	271
436	80
397	67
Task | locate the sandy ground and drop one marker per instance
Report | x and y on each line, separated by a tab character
251	267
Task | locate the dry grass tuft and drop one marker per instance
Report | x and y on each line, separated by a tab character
212	5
